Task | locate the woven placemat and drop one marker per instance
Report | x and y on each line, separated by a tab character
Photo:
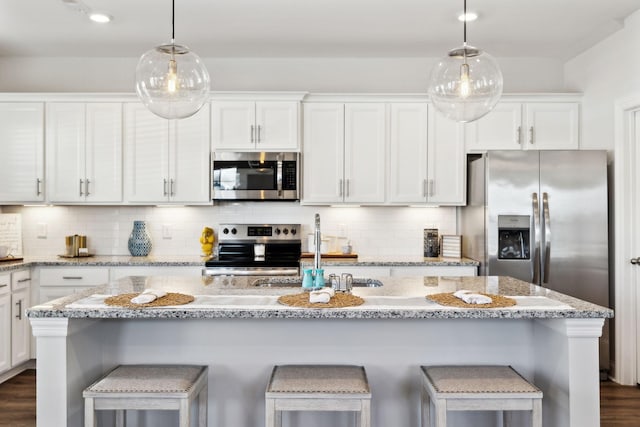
171	298
337	301
450	300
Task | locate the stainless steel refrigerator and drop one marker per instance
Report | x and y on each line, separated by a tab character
541	216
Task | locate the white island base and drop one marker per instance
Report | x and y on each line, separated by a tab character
559	355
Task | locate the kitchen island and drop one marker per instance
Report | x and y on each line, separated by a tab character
237	328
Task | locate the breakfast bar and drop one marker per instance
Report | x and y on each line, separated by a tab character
237	327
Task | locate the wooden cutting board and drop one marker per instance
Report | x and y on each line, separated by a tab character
329	255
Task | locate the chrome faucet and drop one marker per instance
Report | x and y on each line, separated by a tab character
318	240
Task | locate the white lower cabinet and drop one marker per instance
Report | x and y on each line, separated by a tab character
15	330
58	282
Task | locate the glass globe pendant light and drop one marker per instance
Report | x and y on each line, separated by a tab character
467	83
171	80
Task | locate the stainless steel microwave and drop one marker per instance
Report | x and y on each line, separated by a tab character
255	176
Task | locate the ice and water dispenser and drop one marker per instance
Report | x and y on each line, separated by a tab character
514	233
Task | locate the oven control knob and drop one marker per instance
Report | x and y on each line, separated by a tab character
293	231
225	231
277	231
286	231
234	231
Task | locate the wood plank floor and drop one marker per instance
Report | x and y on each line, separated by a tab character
619	405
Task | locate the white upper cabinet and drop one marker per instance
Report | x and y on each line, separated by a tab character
344	153
255	126
408	153
426	157
526	126
84	152
447	162
22	159
166	160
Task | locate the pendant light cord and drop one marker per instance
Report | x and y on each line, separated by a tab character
173	21
465	23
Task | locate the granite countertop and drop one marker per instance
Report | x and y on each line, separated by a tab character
398	298
197	261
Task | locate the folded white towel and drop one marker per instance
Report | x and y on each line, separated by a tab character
328	290
147	296
319	297
471	298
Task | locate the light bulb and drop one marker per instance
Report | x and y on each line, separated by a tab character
465	83
172	76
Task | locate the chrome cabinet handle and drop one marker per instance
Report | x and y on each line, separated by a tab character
26	279
164	187
253	132
547	237
348	187
19	315
531	135
259	133
634	261
340	187
431	187
72	277
424	188
171	183
81	184
38	182
86	187
519	135
4	285
535	273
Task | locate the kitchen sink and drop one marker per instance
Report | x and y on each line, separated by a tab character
293	282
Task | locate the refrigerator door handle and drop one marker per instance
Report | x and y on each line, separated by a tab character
535	274
547	237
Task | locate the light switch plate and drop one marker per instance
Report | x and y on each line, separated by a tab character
41	230
166	231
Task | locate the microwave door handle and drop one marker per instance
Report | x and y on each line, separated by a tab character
279	178
547	237
535	266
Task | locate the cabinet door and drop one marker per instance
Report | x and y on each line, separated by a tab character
146	140
233	125
21	162
65	151
20	329
364	158
190	153
277	126
447	170
552	126
499	130
323	167
103	153
5	332
408	153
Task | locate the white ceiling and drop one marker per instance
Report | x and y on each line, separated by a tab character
310	28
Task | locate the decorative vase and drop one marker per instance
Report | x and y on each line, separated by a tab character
139	241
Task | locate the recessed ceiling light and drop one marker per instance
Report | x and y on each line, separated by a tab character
470	16
100	17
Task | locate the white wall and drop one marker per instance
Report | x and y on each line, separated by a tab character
305	74
608	71
374	231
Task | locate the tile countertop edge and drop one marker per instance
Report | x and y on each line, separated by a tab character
196	261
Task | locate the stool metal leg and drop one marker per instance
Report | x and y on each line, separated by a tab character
120	418
203	406
365	413
441	412
89	414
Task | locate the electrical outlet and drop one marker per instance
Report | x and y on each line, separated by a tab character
166	231
41	230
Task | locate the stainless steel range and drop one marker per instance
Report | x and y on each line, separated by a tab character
256	250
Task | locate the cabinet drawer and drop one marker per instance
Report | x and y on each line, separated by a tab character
76	276
20	279
5	283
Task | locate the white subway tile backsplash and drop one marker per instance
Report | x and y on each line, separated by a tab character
373	231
